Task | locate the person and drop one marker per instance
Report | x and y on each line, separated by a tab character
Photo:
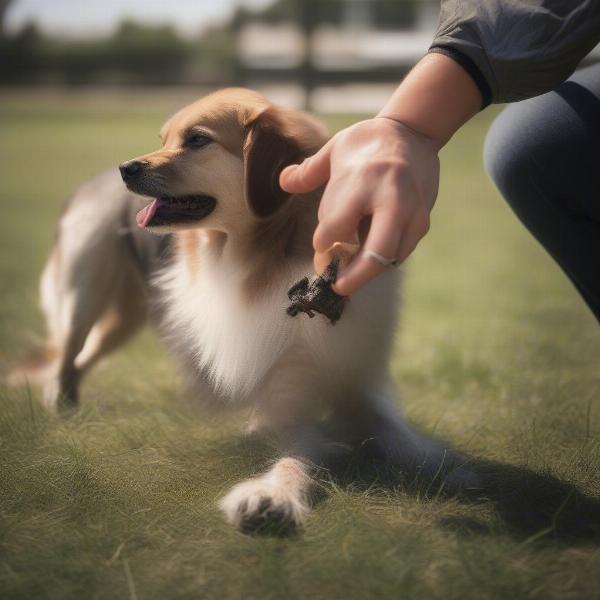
382	174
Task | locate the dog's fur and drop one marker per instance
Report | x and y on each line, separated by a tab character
219	292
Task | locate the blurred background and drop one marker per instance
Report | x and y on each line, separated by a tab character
329	55
498	354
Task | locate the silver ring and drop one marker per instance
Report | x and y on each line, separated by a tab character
382	260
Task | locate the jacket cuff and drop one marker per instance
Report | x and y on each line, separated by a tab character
471	68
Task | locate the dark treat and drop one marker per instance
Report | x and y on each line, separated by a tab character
316	295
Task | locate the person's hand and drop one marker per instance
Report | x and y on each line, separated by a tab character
382	183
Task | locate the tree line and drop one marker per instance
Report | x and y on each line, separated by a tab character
133	54
146	54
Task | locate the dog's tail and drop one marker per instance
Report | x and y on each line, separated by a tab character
35	367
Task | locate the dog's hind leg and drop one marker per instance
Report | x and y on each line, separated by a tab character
123	317
93	291
102	304
84	282
73	303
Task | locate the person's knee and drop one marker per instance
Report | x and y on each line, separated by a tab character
507	152
537	144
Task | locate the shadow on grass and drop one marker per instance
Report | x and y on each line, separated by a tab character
539	505
532	506
535	507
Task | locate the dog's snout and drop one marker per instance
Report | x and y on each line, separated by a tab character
130	168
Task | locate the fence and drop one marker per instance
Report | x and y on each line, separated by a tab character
332	42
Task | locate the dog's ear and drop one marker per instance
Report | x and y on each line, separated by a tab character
267	151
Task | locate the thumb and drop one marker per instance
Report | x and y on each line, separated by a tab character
309	174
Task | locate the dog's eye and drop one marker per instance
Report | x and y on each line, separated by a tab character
196	140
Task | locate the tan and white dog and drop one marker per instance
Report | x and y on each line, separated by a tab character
217	284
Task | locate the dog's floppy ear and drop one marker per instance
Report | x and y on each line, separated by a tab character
267	151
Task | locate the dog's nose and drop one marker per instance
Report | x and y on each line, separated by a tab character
130	168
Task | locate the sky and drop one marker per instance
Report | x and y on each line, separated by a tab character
80	18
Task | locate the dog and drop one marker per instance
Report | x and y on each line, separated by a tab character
228	244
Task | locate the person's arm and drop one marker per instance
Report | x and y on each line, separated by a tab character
385	170
435	99
383	173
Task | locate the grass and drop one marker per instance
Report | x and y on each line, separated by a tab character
497	354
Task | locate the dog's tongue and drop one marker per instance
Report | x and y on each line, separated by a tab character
145	215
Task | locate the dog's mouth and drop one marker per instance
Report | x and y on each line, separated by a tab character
167	210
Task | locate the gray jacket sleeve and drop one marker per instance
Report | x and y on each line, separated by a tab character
516	49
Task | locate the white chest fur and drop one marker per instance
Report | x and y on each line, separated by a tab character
233	342
236	343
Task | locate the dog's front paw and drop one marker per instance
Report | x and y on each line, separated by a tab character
264	506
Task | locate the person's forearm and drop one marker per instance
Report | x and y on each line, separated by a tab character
435	98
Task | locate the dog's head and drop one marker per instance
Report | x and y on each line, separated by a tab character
220	162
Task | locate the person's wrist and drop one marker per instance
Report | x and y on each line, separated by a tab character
435	99
405	129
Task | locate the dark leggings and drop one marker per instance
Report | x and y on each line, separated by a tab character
544	156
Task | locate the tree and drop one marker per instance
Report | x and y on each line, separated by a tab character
3	7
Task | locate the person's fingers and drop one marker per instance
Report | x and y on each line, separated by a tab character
383	239
340	251
340	227
415	230
363	229
309	174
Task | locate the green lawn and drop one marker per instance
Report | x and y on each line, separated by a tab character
497	354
